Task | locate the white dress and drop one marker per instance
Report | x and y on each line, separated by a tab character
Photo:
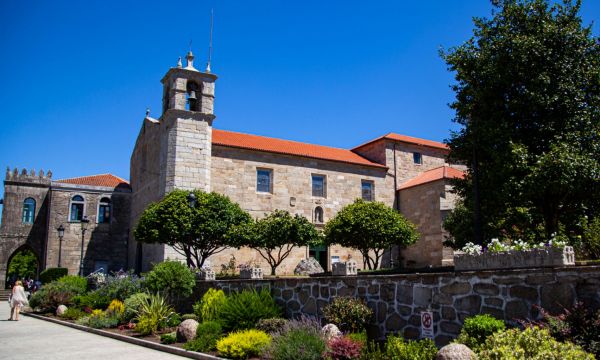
18	297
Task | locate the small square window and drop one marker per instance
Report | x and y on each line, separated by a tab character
417	158
263	180
318	185
367	188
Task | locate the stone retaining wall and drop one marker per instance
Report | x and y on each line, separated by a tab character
397	300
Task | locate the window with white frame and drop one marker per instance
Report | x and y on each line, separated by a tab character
104	211
28	211
319	186
77	206
264	180
368	190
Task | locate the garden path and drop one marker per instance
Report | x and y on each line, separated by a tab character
31	338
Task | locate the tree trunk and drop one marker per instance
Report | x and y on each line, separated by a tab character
273	267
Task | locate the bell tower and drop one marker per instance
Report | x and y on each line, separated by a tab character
186	123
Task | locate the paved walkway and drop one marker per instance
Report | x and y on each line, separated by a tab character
30	339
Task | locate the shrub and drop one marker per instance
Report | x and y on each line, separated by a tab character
170	338
77	282
207	335
153	314
173	320
50	296
92	300
579	325
343	348
116	308
51	274
360	337
477	328
298	340
209	307
272	325
373	351
242	310
243	344
119	287
399	349
99	320
189	317
172	279
349	314
132	305
532	343
73	313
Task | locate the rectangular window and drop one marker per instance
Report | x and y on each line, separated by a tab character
76	212
104	214
318	185
263	180
368	193
417	158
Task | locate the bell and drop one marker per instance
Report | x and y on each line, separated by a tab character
192	96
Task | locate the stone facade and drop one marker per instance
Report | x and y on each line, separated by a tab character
177	151
397	300
105	244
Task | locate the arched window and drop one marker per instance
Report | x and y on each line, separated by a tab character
104	211
193	93
318	215
77	205
28	211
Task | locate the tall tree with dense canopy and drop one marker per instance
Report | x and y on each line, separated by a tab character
276	235
22	265
528	99
195	232
371	228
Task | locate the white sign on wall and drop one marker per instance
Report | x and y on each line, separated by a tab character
427	324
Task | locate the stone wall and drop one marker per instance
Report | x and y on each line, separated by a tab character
397	300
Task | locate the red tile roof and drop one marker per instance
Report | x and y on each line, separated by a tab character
279	146
108	180
443	172
409	140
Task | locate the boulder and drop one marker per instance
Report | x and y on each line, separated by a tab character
60	310
308	266
330	331
455	352
186	331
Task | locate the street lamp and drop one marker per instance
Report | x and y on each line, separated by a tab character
84	222
61	234
192	199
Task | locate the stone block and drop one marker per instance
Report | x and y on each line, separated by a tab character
448	313
486	289
450	327
496	302
515	310
422	296
456	288
555	297
469	303
524	292
404	294
394	323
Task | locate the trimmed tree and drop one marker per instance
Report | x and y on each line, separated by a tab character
276	235
195	232
371	228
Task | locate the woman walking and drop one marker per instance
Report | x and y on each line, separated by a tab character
18	299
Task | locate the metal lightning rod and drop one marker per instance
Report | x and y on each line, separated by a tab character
210	42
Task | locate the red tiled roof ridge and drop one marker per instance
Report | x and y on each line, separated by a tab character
288	147
105	179
406	139
438	173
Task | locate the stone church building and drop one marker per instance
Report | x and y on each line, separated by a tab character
181	149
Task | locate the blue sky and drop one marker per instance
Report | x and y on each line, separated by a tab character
78	75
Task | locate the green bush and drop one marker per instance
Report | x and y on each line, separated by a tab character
172	279
133	304
530	344
119	287
98	320
243	344
360	337
153	315
399	349
77	282
189	317
271	326
92	300
298	340
209	307
478	328
349	314
170	338
242	310
73	313
51	295
207	335
51	274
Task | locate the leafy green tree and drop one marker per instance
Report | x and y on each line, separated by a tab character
371	228
276	235
23	265
527	97
195	232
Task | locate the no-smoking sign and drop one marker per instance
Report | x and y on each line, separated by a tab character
427	324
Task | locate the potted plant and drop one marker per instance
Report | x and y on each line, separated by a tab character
250	271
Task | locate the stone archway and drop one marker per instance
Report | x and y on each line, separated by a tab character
20	254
